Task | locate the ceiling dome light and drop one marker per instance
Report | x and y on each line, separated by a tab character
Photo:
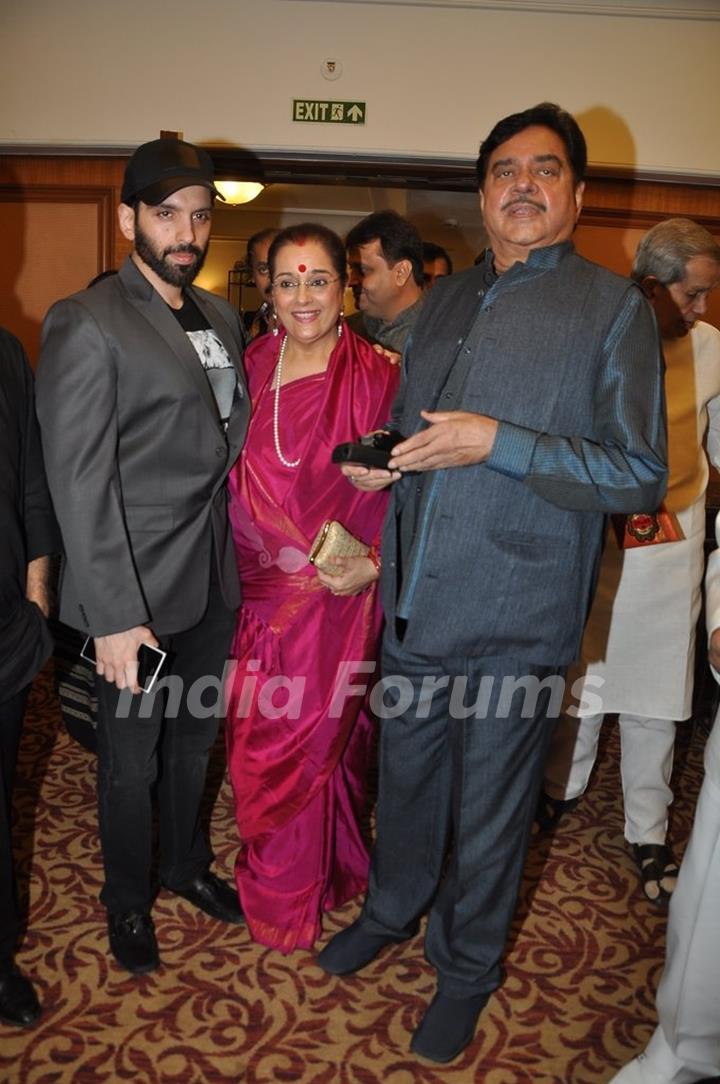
237	192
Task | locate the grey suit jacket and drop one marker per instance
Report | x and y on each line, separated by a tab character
137	458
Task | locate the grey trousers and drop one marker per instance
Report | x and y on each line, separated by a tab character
455	805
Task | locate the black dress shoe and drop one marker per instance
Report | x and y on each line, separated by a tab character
19	1005
132	941
447	1027
352	949
214	897
550	810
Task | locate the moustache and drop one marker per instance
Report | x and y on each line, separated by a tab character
519	200
193	249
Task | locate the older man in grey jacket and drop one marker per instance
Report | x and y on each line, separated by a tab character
533	406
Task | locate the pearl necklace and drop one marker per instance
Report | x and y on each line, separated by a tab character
276	410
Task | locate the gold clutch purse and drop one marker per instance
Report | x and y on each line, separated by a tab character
332	540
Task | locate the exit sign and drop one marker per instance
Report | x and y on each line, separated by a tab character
323	112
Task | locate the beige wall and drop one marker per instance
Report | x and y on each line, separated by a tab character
435	76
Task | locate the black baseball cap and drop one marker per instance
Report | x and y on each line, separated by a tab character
161	167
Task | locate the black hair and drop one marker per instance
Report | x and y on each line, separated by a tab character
399	240
431	251
544	115
261	235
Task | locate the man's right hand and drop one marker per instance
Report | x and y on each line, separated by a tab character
117	656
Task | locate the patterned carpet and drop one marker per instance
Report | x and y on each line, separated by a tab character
584	961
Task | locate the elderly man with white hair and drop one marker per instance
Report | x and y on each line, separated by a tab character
638	650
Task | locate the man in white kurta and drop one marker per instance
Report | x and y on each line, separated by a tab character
639	645
685	1046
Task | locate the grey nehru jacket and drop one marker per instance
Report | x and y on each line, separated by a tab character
500	558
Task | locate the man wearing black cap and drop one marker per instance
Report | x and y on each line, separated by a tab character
143	411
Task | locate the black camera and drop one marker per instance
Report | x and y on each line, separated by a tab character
373	450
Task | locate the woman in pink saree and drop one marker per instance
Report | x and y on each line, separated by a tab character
298	741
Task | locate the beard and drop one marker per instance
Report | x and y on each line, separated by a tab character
157	260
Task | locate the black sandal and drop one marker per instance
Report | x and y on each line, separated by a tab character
657	866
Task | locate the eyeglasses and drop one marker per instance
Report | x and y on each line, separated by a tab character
261	268
290	286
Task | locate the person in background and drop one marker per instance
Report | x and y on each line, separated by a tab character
638	653
298	774
685	1046
384	254
28	537
436	263
256	261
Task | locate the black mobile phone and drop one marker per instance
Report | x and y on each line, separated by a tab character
373	450
150	662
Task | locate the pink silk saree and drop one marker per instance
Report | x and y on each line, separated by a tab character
298	748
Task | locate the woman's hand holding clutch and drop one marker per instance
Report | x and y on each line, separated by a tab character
353	575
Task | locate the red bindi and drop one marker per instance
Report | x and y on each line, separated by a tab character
302	267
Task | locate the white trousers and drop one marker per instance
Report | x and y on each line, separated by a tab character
646	760
685	1046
